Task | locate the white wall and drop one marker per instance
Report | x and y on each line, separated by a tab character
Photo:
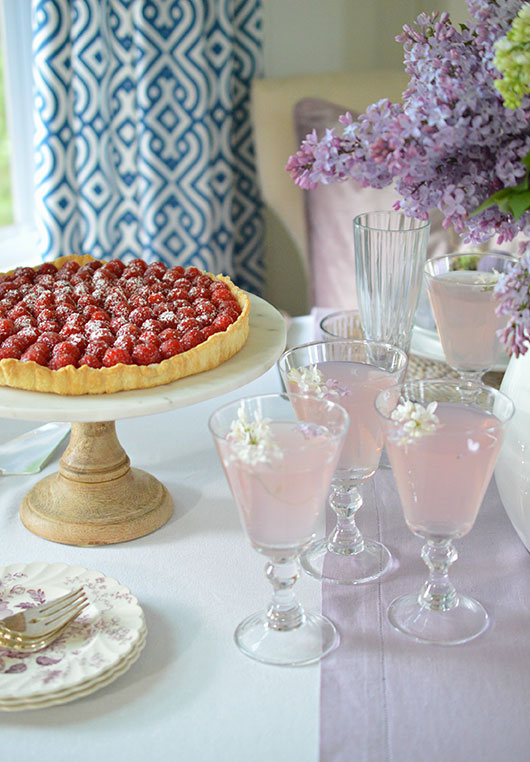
312	36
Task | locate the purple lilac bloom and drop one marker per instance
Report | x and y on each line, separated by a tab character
451	143
513	291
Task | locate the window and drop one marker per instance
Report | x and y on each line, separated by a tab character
17	232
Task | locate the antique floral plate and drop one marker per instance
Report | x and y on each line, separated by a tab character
83	689
105	638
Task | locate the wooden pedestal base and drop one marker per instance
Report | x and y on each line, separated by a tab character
96	498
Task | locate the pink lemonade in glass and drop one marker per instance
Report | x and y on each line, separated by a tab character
355	385
442	477
463	304
281	501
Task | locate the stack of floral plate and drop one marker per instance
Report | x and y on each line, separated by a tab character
99	646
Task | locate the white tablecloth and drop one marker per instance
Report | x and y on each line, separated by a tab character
193	696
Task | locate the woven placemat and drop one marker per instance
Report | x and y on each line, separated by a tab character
420	367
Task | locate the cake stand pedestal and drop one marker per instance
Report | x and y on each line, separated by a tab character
96	498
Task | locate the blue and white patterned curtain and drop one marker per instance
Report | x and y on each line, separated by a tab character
143	139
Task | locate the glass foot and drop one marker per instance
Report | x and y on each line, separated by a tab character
355	569
308	643
465	621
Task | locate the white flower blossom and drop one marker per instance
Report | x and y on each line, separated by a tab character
252	441
416	419
309	379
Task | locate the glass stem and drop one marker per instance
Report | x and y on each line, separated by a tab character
284	611
346	538
438	593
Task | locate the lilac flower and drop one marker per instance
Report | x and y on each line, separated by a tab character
513	291
451	143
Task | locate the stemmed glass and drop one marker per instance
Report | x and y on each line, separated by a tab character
345	324
442	438
460	288
279	456
352	373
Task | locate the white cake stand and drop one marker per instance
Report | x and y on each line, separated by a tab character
96	498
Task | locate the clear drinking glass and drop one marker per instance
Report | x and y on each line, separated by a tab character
460	288
345	324
442	438
390	250
352	373
279	457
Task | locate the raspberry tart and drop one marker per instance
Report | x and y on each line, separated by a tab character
81	326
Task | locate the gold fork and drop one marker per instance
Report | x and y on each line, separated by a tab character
35	628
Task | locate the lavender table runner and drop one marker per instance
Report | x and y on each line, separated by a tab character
387	699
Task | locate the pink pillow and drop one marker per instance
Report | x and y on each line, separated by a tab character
330	210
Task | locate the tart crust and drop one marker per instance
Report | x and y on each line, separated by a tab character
84	380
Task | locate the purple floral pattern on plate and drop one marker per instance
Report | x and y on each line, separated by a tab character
107	631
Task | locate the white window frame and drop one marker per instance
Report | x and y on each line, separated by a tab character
18	241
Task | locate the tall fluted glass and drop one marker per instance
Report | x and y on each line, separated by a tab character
390	250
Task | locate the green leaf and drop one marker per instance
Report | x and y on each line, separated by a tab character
520	203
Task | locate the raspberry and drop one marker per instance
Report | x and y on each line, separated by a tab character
230	312
197	292
66	347
222	322
38	352
209	330
97	348
140	315
149	337
158	269
12	347
43	301
125	341
146	354
68	269
115	355
115	266
157	297
116	323
27	336
187	324
173	274
191	272
185	312
170	348
63	312
49	326
134	269
7	327
168	319
120	309
138	300
159	309
218	297
101	315
204	319
74	324
191	339
46	269
130	330
18	311
168	333
50	338
91	360
24	272
151	325
85	300
178	294
79	341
